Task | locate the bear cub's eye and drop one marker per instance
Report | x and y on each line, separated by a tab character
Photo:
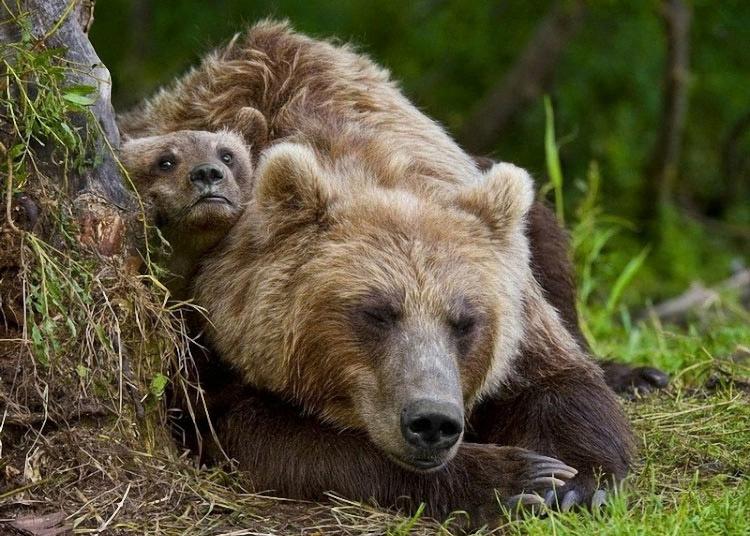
166	163
463	326
227	157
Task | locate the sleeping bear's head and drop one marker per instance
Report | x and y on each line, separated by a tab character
374	308
193	182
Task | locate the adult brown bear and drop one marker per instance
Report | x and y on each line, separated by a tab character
532	388
399	316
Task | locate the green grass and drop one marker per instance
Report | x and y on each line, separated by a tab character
693	468
693	472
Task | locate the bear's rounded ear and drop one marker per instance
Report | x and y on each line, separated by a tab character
291	185
251	125
130	150
501	199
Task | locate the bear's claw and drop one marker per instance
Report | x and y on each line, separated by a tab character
558	469
599	499
572	498
524	499
542	473
631	381
544	466
547	482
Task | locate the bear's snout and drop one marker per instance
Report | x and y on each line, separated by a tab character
431	426
206	175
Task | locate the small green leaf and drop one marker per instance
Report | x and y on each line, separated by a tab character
158	384
40	348
17	150
72	327
70	136
79	100
36	335
81	89
83	371
25	25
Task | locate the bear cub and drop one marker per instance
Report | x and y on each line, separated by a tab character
194	185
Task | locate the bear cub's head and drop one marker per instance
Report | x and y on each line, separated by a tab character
194	183
377	308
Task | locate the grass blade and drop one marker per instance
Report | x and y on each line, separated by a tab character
553	159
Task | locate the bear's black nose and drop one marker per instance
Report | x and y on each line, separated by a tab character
205	175
431	424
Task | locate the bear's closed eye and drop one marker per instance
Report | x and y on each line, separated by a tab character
383	317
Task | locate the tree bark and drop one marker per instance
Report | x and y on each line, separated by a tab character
661	170
98	190
735	165
527	79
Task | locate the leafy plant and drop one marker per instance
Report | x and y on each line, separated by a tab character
602	280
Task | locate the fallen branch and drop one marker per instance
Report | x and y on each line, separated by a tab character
699	298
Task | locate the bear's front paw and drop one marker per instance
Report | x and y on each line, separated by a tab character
502	478
630	382
537	477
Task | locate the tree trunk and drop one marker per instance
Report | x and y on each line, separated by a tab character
56	293
97	190
527	79
735	166
661	170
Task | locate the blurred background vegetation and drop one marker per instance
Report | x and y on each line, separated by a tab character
651	101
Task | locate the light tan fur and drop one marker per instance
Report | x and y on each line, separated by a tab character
314	242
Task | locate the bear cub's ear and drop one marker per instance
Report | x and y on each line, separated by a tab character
501	199
134	153
290	184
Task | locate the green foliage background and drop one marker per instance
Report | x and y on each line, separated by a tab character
448	54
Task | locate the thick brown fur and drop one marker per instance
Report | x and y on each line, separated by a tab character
299	86
365	189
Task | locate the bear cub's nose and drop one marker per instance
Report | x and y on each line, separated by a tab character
431	424
206	175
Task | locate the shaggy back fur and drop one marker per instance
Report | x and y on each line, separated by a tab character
301	85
